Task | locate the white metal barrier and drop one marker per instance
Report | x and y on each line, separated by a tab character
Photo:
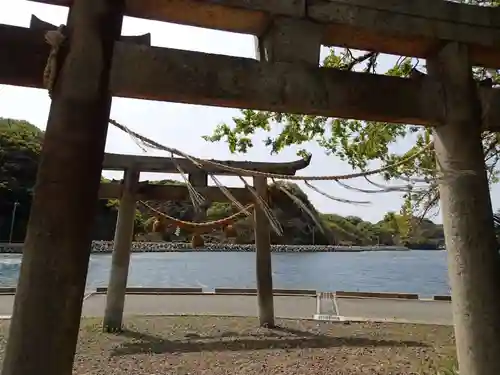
326	307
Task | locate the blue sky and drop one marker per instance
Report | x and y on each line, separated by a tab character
182	125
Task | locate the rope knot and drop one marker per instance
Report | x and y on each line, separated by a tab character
54	38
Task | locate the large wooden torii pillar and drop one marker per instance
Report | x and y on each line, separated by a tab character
48	302
473	258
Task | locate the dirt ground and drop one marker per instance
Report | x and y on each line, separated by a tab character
216	345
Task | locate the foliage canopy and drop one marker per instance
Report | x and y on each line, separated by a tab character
360	142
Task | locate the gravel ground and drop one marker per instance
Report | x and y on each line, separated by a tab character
213	345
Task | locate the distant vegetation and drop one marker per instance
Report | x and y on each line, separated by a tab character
20	146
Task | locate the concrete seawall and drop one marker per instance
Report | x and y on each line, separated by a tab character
252	291
141	247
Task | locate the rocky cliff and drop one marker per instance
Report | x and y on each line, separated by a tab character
298	227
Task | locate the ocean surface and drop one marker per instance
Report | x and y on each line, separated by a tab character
422	272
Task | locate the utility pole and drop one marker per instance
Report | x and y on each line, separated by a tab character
14	209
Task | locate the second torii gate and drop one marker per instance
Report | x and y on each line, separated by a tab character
131	190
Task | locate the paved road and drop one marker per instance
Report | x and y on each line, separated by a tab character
417	311
286	307
6	303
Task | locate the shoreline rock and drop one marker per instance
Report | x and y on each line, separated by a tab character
106	247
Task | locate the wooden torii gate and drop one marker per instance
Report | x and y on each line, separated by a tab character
96	63
130	191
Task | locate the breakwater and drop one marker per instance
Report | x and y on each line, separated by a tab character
151	247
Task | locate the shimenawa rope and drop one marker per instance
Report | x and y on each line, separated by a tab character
184	223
